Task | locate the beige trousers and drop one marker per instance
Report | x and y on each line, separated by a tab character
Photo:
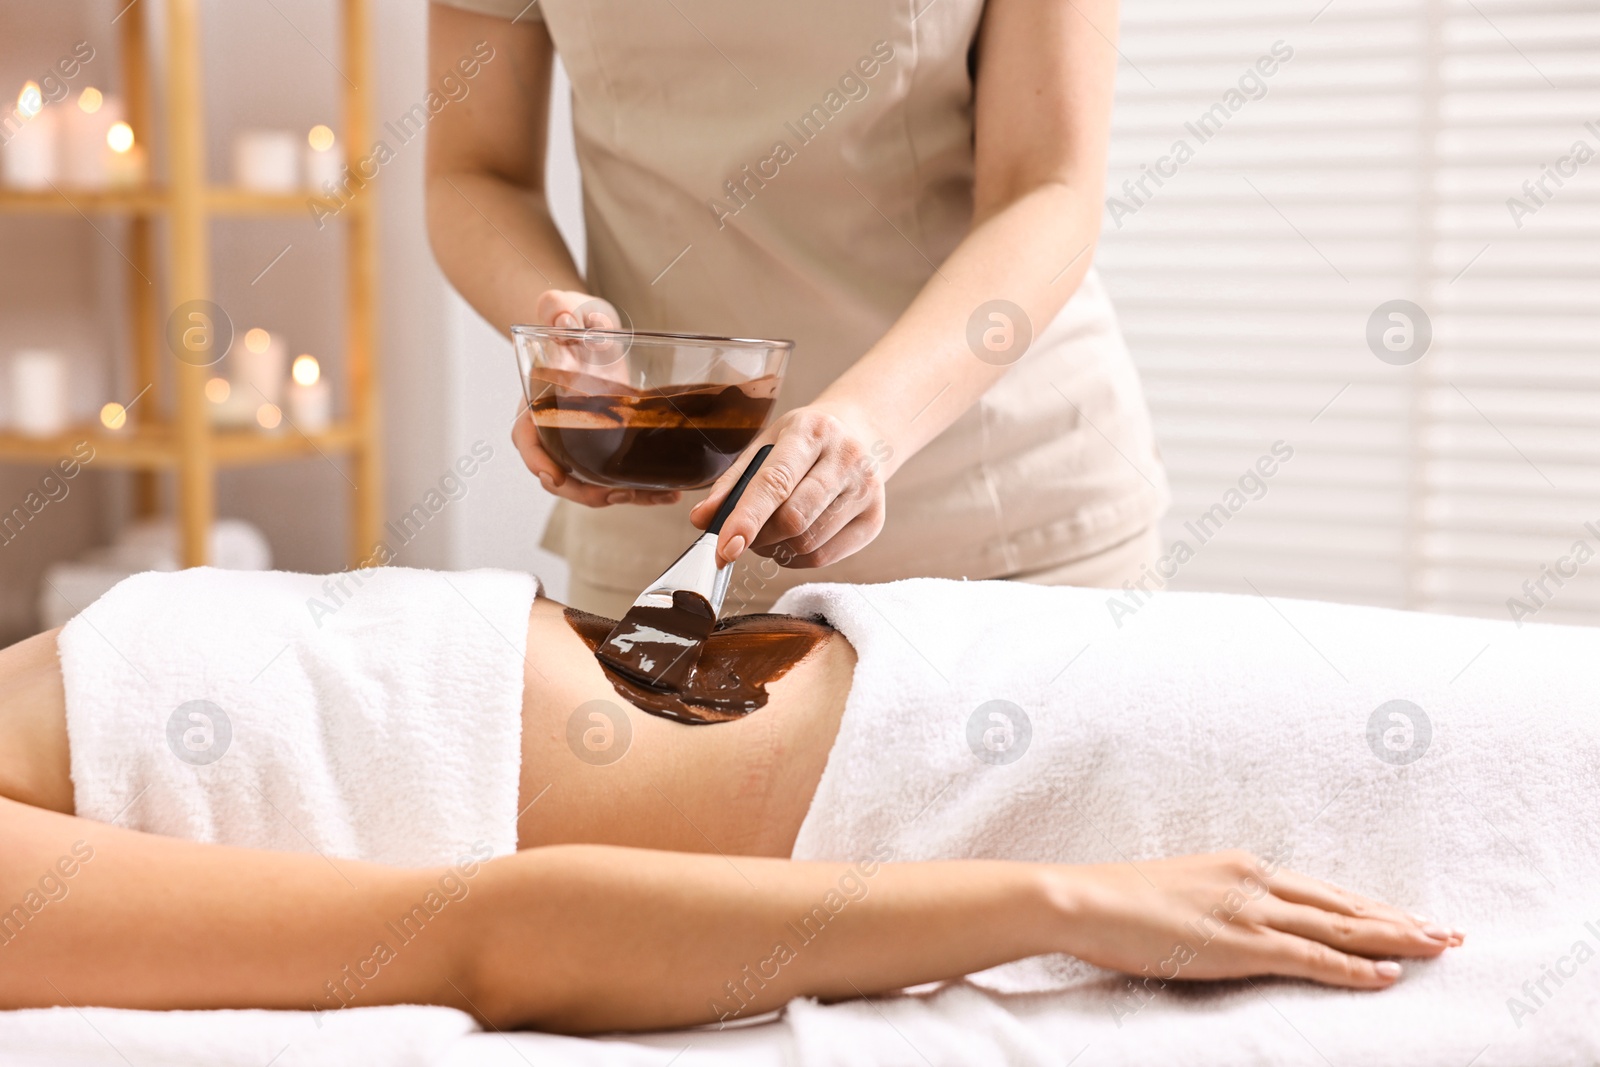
1105	570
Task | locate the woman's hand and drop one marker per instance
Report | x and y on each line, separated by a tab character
1231	915
818	497
575	310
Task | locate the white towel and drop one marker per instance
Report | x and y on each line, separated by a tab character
371	715
1208	722
398	1036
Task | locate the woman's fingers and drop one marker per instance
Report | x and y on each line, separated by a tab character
559	483
856	535
795	519
1361	936
574	310
840	486
1299	957
1291	885
815	484
1301	889
526	439
781	473
1227	923
782	470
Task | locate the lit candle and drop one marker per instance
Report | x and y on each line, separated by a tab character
229	406
267	161
30	153
261	364
125	164
310	398
324	160
38	392
85	151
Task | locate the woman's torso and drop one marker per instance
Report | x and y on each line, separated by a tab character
768	169
741	787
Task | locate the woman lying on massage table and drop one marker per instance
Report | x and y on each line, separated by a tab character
626	908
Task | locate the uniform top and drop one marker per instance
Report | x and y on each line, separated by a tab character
758	169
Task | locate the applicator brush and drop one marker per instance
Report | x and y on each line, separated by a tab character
658	641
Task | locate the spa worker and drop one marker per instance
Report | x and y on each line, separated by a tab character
911	191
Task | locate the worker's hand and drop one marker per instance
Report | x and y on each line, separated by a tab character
565	307
818	497
1233	915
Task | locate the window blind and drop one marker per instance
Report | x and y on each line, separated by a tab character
1304	195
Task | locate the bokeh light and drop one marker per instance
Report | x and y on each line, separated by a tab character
120	137
306	370
30	101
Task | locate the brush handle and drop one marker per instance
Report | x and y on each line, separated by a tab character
737	491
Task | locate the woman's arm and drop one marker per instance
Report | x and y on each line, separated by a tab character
488	219
573	938
617	939
93	914
1042	121
586	938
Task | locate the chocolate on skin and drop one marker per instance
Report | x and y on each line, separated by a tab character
743	655
658	647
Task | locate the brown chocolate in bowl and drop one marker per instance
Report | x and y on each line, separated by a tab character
672	437
729	680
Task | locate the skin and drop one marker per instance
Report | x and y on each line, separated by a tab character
641	888
1042	110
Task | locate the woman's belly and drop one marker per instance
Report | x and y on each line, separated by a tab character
597	770
738	787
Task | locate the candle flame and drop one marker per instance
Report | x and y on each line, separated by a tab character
320	138
30	101
306	370
89	100
113	416
120	137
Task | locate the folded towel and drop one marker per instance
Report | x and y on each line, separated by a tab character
371	715
1446	765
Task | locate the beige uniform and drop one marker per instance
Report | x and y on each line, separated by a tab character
762	169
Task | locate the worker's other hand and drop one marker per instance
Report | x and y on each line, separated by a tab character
818	497
575	310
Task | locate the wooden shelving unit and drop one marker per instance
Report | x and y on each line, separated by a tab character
178	437
221	201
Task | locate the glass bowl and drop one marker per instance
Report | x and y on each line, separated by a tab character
637	410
